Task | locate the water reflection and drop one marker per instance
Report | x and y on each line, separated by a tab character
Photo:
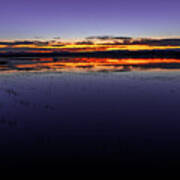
54	118
86	64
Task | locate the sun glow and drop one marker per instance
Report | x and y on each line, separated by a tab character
75	47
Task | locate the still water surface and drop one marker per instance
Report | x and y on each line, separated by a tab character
65	111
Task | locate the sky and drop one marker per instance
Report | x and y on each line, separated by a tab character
72	19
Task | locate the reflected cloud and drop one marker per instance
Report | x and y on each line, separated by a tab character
86	64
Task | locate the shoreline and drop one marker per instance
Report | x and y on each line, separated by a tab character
101	54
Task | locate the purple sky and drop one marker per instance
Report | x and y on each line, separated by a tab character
23	19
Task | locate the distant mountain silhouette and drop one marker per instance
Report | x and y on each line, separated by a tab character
102	54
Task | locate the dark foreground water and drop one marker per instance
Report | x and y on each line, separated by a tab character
50	119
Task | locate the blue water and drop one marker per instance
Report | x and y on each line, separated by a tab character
131	118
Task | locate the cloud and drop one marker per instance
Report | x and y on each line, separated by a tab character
38	37
157	42
57	38
120	40
23	49
106	43
58	45
84	43
41	43
108	38
15	43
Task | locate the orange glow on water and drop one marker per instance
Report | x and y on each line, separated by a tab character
2	46
94	64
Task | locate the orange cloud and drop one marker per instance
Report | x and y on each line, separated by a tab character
104	43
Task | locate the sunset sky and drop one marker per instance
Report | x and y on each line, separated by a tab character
84	25
76	19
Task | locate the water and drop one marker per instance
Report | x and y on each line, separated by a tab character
86	64
57	116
